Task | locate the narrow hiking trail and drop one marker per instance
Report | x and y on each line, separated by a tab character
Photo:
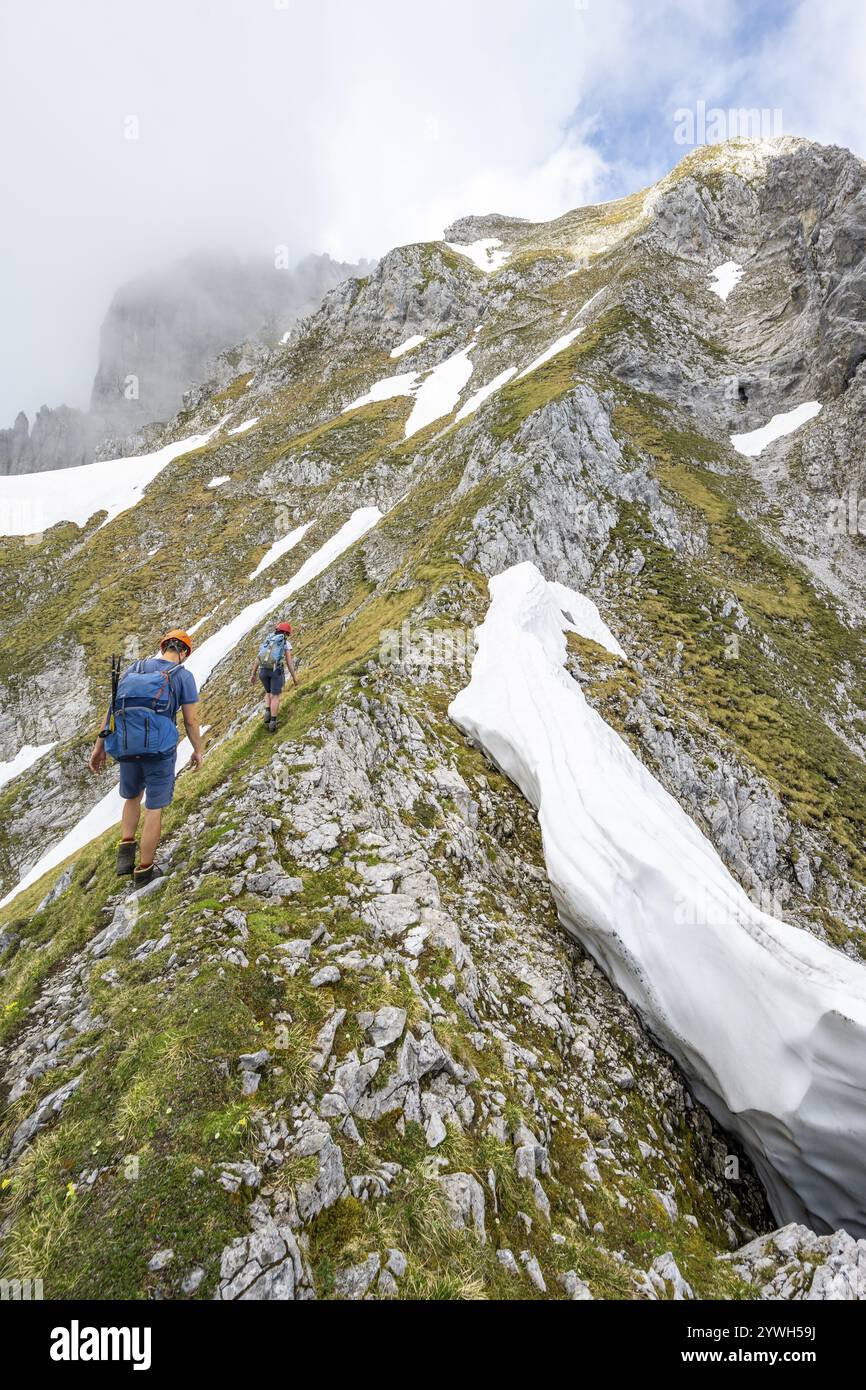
202	663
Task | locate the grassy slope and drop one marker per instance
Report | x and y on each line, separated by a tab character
159	1112
155	1089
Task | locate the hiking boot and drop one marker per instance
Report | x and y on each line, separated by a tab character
125	857
267	719
142	877
272	725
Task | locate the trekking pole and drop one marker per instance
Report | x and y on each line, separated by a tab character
115	680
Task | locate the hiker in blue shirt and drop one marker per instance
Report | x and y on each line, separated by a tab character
270	666
140	732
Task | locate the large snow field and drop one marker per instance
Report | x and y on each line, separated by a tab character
435	393
767	1022
33	502
385	390
440	390
281	547
415	341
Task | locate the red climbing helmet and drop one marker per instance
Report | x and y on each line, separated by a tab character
284	627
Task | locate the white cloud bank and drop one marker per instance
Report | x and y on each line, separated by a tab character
389	128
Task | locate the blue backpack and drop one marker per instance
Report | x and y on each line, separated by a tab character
272	651
140	722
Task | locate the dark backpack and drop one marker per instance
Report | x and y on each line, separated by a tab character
140	722
272	651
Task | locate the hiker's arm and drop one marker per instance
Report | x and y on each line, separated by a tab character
98	755
254	673
193	733
290	662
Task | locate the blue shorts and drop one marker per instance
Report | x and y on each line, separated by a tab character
273	681
155	776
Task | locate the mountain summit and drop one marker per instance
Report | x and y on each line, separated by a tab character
526	959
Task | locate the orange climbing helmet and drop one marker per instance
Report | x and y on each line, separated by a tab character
176	636
284	627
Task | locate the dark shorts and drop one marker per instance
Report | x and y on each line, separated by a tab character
273	681
155	776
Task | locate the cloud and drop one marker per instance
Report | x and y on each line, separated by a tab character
325	125
573	174
815	74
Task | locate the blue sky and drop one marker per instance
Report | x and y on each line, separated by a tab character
635	127
329	125
737	55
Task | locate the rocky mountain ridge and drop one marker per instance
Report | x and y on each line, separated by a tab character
347	1049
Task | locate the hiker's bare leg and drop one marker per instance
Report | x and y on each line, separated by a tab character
275	705
150	834
129	819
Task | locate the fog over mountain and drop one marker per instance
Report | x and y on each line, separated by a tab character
132	136
160	336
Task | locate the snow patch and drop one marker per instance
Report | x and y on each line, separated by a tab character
435	393
281	547
484	394
201	622
211	652
98	819
482	253
756	441
32	502
580	615
202	663
218	482
559	346
565	341
440	390
24	758
247	425
385	390
415	341
727	277
768	1022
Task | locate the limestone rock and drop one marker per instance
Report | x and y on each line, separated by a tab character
464	1196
